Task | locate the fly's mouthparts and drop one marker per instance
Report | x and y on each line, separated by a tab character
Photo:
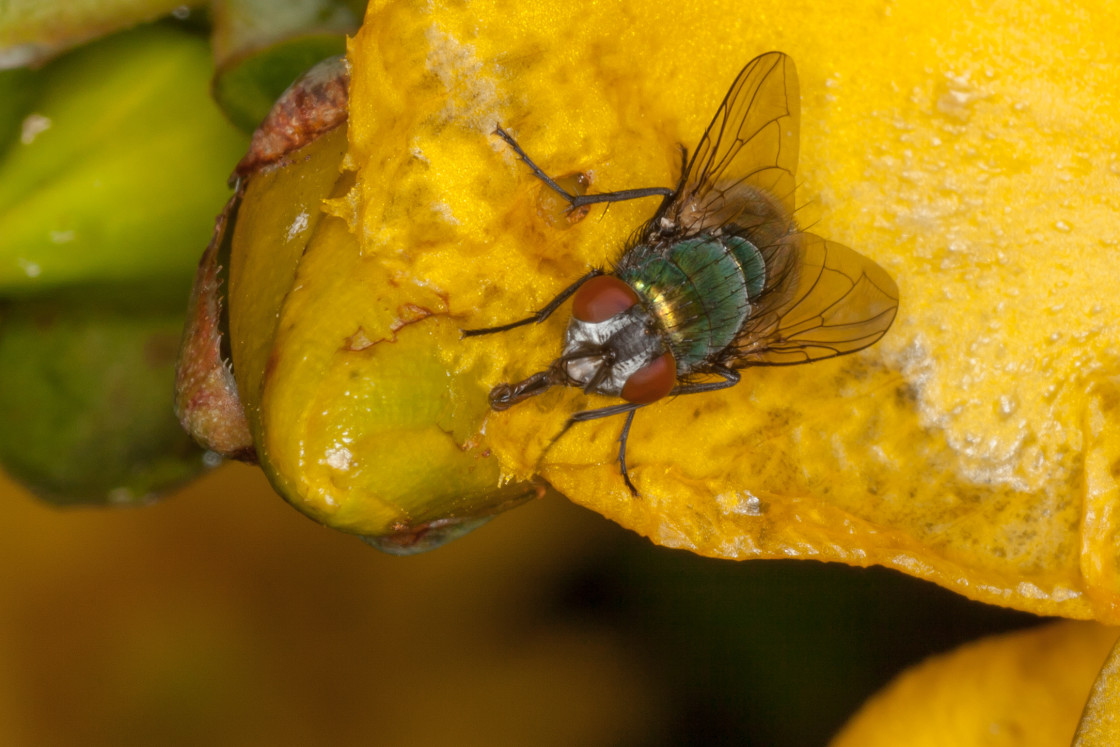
502	397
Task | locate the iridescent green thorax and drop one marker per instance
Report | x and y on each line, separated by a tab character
700	291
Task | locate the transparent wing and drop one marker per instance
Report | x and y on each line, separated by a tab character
823	300
750	147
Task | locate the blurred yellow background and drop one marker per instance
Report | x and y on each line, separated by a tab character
223	612
222	616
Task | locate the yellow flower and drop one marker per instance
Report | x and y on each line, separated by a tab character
1022	689
972	153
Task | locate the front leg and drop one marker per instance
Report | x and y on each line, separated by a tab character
541	315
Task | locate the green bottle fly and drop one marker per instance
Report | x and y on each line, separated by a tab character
721	278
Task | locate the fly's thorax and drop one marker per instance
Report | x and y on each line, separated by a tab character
700	290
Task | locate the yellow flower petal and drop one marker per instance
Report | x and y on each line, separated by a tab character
1100	721
1021	689
973	153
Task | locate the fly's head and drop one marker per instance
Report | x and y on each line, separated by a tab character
613	346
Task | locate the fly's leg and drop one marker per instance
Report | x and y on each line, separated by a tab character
574	202
604	412
730	379
622	453
541	315
578	201
505	396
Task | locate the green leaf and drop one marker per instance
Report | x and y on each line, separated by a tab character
86	400
121	170
32	31
248	86
261	47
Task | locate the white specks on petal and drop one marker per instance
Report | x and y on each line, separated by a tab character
299	225
741	503
339	458
443	210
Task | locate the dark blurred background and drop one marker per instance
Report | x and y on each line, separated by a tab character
222	616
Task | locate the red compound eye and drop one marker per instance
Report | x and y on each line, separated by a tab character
652	381
602	297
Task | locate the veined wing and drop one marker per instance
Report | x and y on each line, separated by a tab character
824	300
750	147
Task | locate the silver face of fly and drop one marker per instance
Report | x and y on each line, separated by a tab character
600	357
719	279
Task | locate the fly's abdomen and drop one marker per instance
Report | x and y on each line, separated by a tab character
699	291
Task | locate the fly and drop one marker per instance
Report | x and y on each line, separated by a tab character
721	278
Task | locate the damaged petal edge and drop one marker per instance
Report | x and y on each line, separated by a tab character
206	398
315	103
